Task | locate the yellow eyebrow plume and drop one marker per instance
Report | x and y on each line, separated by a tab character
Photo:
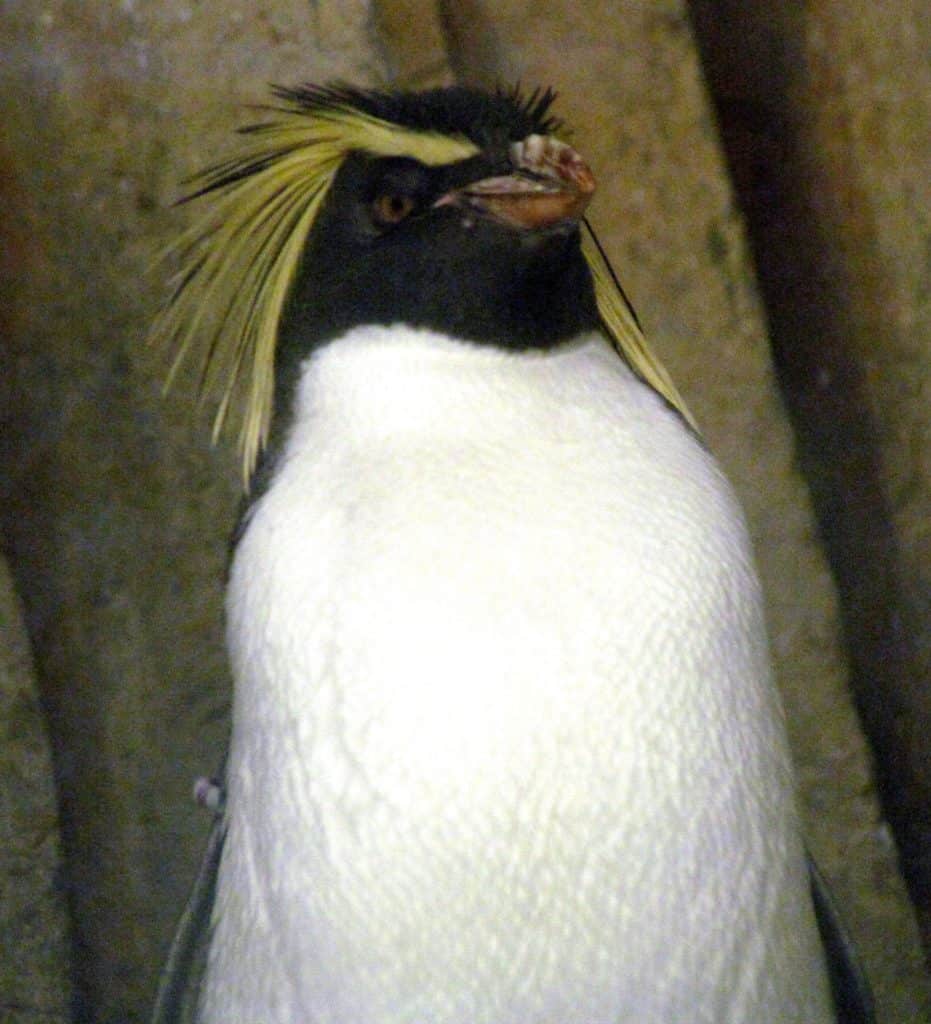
623	329
237	264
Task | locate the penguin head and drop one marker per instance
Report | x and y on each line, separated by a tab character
484	249
452	209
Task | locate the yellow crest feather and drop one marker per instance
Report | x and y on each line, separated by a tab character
624	331
238	262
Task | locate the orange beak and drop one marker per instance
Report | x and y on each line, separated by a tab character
551	184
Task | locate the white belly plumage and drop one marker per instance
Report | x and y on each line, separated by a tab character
506	748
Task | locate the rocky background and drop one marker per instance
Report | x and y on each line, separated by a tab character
764	197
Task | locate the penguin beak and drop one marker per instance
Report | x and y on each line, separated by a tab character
550	185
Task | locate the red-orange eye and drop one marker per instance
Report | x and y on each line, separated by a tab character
391	209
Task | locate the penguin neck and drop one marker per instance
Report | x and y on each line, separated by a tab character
391	385
507	297
512	291
390	379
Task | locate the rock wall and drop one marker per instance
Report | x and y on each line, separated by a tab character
35	974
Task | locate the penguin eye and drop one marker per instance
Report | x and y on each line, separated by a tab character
391	208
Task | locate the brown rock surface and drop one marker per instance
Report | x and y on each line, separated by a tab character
34	963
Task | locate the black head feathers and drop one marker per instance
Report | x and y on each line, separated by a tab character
485	119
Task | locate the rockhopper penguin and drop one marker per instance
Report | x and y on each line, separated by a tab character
506	746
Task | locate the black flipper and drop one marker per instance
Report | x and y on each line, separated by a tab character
853	998
179	986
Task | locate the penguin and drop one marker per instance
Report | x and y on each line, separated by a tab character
506	746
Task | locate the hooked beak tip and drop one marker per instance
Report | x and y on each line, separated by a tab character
550	185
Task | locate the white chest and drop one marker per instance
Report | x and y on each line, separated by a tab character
505	744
